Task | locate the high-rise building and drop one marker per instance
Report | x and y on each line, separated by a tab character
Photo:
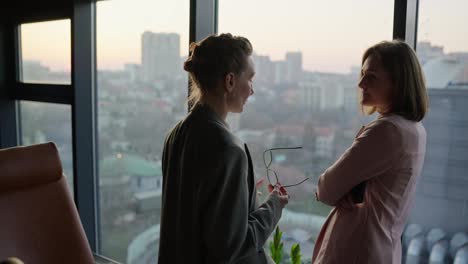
133	70
445	71
310	91
263	68
280	72
309	95
351	90
441	197
293	66
325	91
160	55
34	70
426	51
350	98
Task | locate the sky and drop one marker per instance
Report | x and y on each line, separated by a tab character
332	34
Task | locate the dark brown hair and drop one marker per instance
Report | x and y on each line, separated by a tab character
400	61
211	59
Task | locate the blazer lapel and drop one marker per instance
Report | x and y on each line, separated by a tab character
250	177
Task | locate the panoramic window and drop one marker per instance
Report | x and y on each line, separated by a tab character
308	60
142	91
436	230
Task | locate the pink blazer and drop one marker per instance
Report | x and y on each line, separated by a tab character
388	154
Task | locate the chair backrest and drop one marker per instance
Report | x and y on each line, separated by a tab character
39	222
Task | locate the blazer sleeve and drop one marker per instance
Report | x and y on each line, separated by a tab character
372	153
230	231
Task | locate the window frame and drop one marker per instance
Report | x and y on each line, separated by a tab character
81	94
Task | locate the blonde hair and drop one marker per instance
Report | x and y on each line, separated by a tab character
211	59
401	63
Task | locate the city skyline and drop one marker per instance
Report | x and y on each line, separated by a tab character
119	27
159	58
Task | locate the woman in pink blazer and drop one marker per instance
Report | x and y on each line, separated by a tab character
372	184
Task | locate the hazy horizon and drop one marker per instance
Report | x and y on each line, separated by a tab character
331	39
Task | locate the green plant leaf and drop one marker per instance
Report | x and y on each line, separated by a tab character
276	246
296	254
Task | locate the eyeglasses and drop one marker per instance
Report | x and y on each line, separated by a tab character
269	157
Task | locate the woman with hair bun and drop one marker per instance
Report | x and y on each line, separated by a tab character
209	208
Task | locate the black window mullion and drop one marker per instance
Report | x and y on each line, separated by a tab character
84	115
49	93
405	21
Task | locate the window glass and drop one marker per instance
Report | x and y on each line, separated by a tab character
142	91
308	60
439	217
45	52
45	122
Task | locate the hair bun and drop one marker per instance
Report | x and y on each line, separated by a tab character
188	65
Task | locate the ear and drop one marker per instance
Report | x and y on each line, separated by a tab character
229	82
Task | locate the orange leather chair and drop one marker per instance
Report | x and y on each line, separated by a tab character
39	223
